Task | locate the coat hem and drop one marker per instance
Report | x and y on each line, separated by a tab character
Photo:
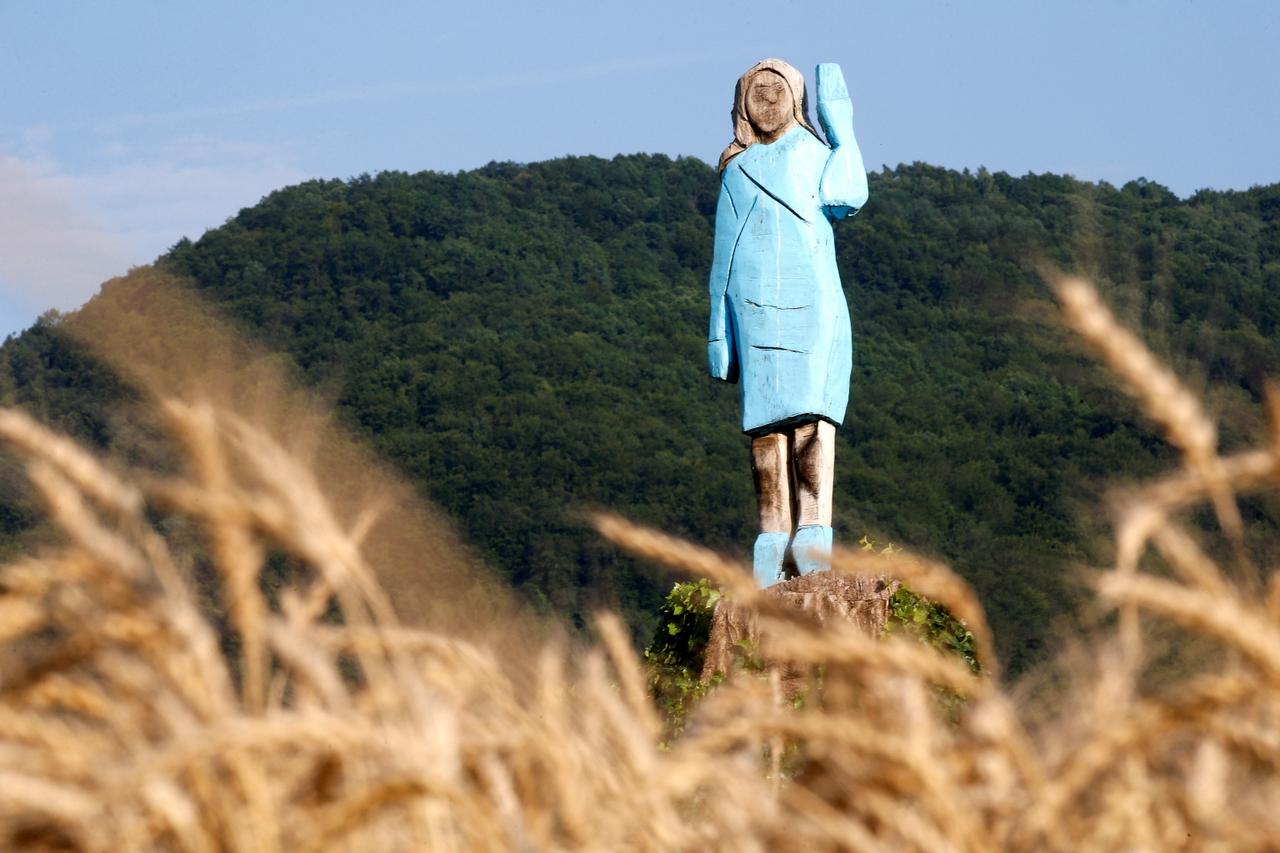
794	420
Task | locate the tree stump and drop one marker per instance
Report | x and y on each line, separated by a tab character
825	595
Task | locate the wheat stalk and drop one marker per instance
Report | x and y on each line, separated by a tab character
316	718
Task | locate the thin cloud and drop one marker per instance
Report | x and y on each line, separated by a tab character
394	91
63	233
53	254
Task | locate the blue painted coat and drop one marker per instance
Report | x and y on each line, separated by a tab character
779	319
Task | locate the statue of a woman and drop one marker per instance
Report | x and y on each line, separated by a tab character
779	320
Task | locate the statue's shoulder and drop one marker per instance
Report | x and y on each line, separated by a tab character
809	148
808	143
734	181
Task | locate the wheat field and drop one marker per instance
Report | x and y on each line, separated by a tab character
313	715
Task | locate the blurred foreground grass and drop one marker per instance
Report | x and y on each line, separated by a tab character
316	718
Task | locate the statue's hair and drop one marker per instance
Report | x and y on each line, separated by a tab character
744	135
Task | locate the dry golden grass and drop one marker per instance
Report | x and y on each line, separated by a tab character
128	723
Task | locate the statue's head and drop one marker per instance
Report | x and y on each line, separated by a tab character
769	105
770	100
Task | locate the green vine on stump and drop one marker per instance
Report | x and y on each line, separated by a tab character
927	621
674	657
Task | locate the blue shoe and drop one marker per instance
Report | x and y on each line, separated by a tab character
770	549
811	548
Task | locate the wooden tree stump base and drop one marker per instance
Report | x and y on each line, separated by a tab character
861	600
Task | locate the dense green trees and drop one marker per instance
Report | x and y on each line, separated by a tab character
527	341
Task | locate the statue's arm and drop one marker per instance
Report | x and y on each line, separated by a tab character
844	179
721	350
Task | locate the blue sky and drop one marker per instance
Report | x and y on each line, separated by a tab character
126	126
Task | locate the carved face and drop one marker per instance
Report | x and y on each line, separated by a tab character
769	106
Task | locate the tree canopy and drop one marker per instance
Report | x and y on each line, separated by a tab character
527	341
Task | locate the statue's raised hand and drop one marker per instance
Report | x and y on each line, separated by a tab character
835	110
844	179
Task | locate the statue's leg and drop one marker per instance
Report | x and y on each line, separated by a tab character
771	464
815	463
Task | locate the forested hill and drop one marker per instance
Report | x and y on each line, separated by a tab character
528	341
